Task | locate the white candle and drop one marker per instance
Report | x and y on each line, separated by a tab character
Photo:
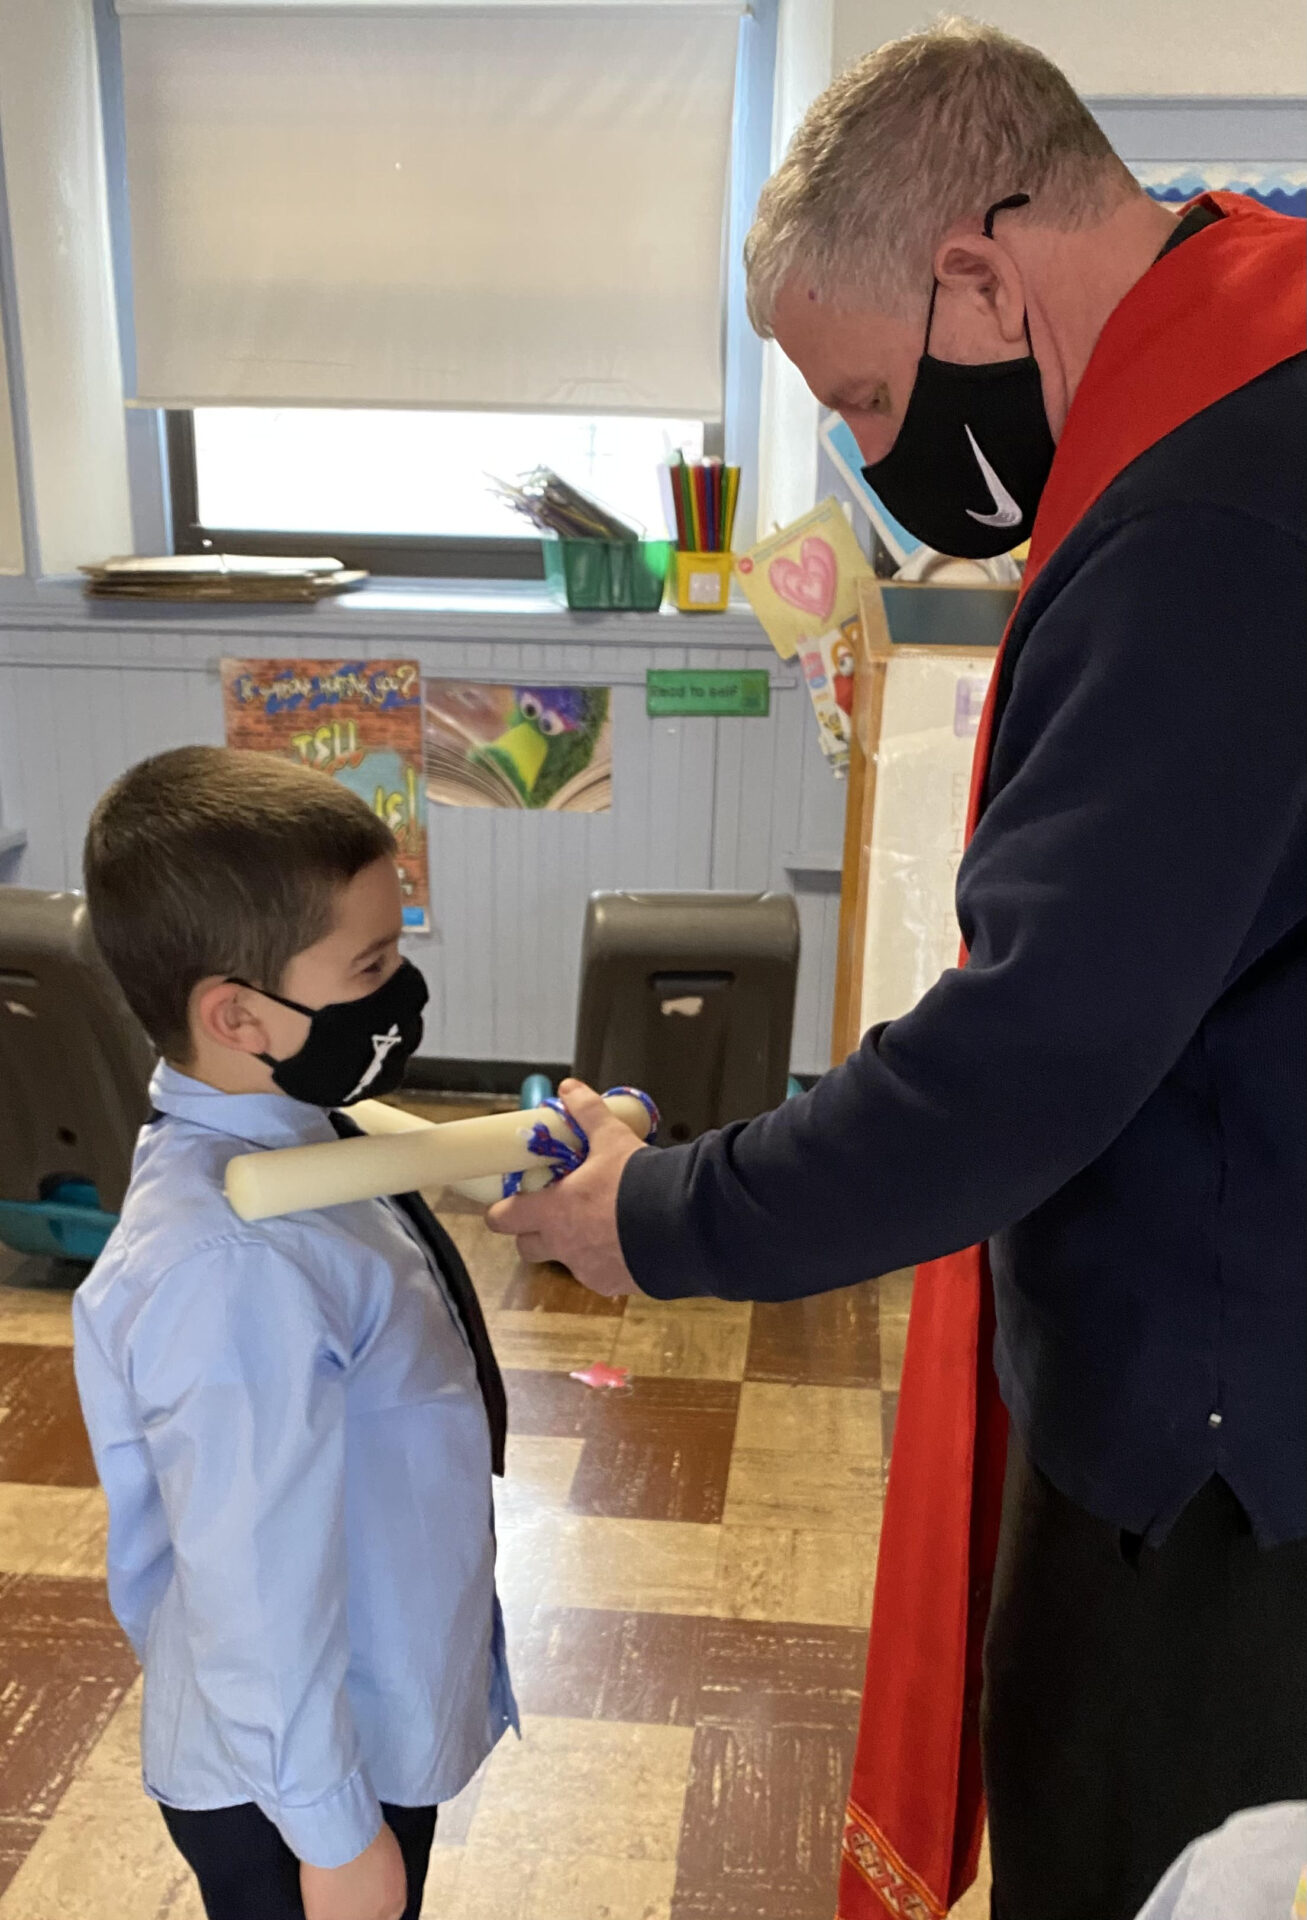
378	1116
298	1179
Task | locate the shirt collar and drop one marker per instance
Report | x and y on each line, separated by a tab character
260	1119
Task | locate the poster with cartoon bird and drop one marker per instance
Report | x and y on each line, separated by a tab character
548	749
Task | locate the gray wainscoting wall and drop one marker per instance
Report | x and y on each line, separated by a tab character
730	803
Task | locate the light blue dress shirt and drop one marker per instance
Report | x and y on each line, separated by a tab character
1249	1869
286	1420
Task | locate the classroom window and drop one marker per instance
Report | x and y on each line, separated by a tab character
405	492
372	262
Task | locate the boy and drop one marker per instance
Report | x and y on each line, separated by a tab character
294	1421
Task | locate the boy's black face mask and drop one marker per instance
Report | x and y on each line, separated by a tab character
973	454
356	1049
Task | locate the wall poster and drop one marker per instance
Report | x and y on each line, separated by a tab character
547	749
359	721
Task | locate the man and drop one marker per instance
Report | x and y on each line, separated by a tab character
1111	1092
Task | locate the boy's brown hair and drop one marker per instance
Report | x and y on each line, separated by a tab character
207	860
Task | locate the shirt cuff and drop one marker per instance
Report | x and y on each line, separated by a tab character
334	1830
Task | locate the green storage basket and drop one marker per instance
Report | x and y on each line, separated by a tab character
608	576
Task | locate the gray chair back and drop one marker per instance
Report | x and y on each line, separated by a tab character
74	1062
691	997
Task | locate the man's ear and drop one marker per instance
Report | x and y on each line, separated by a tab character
224	1014
985	275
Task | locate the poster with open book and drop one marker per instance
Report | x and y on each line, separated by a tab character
547	749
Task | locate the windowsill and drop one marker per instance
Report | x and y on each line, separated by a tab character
428	608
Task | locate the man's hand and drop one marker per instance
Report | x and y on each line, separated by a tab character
373	1886
575	1221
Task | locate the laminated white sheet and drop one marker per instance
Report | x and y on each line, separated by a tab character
923	771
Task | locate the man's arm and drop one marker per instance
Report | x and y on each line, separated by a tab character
1155	733
240	1377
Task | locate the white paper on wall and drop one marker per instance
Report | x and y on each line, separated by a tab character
923	774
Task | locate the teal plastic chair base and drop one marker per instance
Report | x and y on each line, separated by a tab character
69	1225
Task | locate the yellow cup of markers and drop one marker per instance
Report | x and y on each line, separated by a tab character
703	499
703	581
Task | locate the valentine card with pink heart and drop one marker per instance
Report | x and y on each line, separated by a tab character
803	581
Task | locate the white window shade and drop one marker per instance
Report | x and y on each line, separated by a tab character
518	208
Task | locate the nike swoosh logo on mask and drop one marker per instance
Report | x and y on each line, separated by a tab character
1006	511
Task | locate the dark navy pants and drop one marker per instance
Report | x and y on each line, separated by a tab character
1135	1696
247	1872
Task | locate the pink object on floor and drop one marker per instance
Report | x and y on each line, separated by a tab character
599	1374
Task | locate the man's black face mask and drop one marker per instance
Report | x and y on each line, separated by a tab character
973	454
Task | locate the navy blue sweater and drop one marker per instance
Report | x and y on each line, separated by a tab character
1114	1091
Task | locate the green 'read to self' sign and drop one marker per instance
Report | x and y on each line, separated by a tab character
713	691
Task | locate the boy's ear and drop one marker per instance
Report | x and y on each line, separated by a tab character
223	1013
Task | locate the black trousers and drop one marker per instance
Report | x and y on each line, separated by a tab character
247	1872
1134	1697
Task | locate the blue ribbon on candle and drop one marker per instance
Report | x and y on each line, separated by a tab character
564	1158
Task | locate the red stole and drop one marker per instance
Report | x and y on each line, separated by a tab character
1225	306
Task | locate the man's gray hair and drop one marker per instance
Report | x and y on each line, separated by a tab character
924	134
